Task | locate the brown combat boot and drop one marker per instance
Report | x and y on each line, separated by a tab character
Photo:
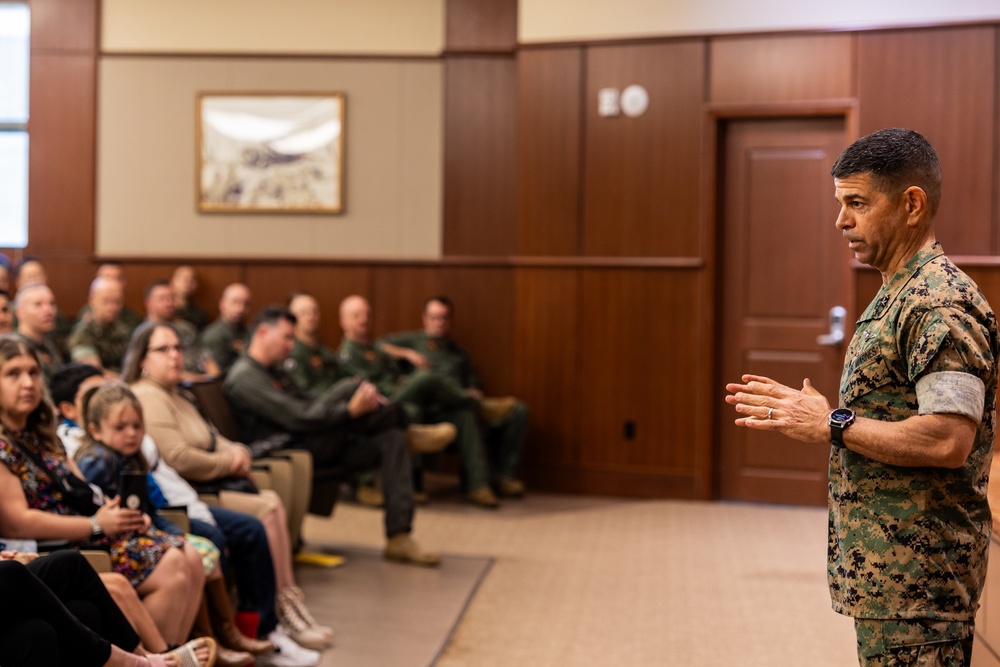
430	438
402	548
483	497
497	409
510	487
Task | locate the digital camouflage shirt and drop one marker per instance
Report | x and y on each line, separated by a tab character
911	542
90	339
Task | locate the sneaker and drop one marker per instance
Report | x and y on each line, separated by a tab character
497	409
509	487
402	548
483	497
430	438
296	627
297	599
288	653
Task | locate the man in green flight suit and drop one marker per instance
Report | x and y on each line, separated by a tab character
434	349
226	338
425	395
315	368
909	522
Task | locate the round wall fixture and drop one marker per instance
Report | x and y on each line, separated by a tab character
634	101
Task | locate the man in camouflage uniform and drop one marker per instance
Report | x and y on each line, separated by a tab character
102	339
425	395
434	349
35	305
912	441
225	339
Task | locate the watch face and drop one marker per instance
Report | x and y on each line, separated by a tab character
841	414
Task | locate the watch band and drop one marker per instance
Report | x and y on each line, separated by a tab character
840	419
95	527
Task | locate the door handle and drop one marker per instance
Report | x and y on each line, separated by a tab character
838	323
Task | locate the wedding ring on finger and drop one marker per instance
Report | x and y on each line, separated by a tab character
770	411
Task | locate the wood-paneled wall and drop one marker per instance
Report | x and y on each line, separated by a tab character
579	249
62	129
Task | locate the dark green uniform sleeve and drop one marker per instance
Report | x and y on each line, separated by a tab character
217	343
410	339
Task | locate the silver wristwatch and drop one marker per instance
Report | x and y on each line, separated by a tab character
95	527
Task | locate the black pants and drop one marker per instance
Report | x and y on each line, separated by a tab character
38	620
375	441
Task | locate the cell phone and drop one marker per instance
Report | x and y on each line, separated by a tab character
134	491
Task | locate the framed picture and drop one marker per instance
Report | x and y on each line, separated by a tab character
275	152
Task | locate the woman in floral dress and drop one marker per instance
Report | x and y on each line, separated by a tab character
166	572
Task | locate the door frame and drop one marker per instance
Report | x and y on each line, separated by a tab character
721	414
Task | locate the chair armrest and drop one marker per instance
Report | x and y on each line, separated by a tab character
99	560
177	516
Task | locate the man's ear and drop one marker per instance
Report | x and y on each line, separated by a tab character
915	201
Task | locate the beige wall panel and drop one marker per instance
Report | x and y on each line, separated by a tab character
410	27
146	160
575	20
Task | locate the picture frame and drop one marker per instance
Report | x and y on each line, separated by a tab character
270	152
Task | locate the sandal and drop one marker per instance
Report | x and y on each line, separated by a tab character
185	657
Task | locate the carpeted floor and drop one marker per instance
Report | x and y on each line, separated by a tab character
591	581
384	614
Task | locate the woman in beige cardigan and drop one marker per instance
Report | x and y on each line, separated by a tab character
192	446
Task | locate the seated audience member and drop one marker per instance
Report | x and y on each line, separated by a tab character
225	338
192	447
6	313
425	395
347	425
31	270
433	348
101	340
68	385
111	271
240	537
184	283
58	613
160	308
316	368
112	440
164	570
35	306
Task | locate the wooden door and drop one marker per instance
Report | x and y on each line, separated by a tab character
784	267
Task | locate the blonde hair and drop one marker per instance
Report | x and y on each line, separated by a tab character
97	404
42	419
